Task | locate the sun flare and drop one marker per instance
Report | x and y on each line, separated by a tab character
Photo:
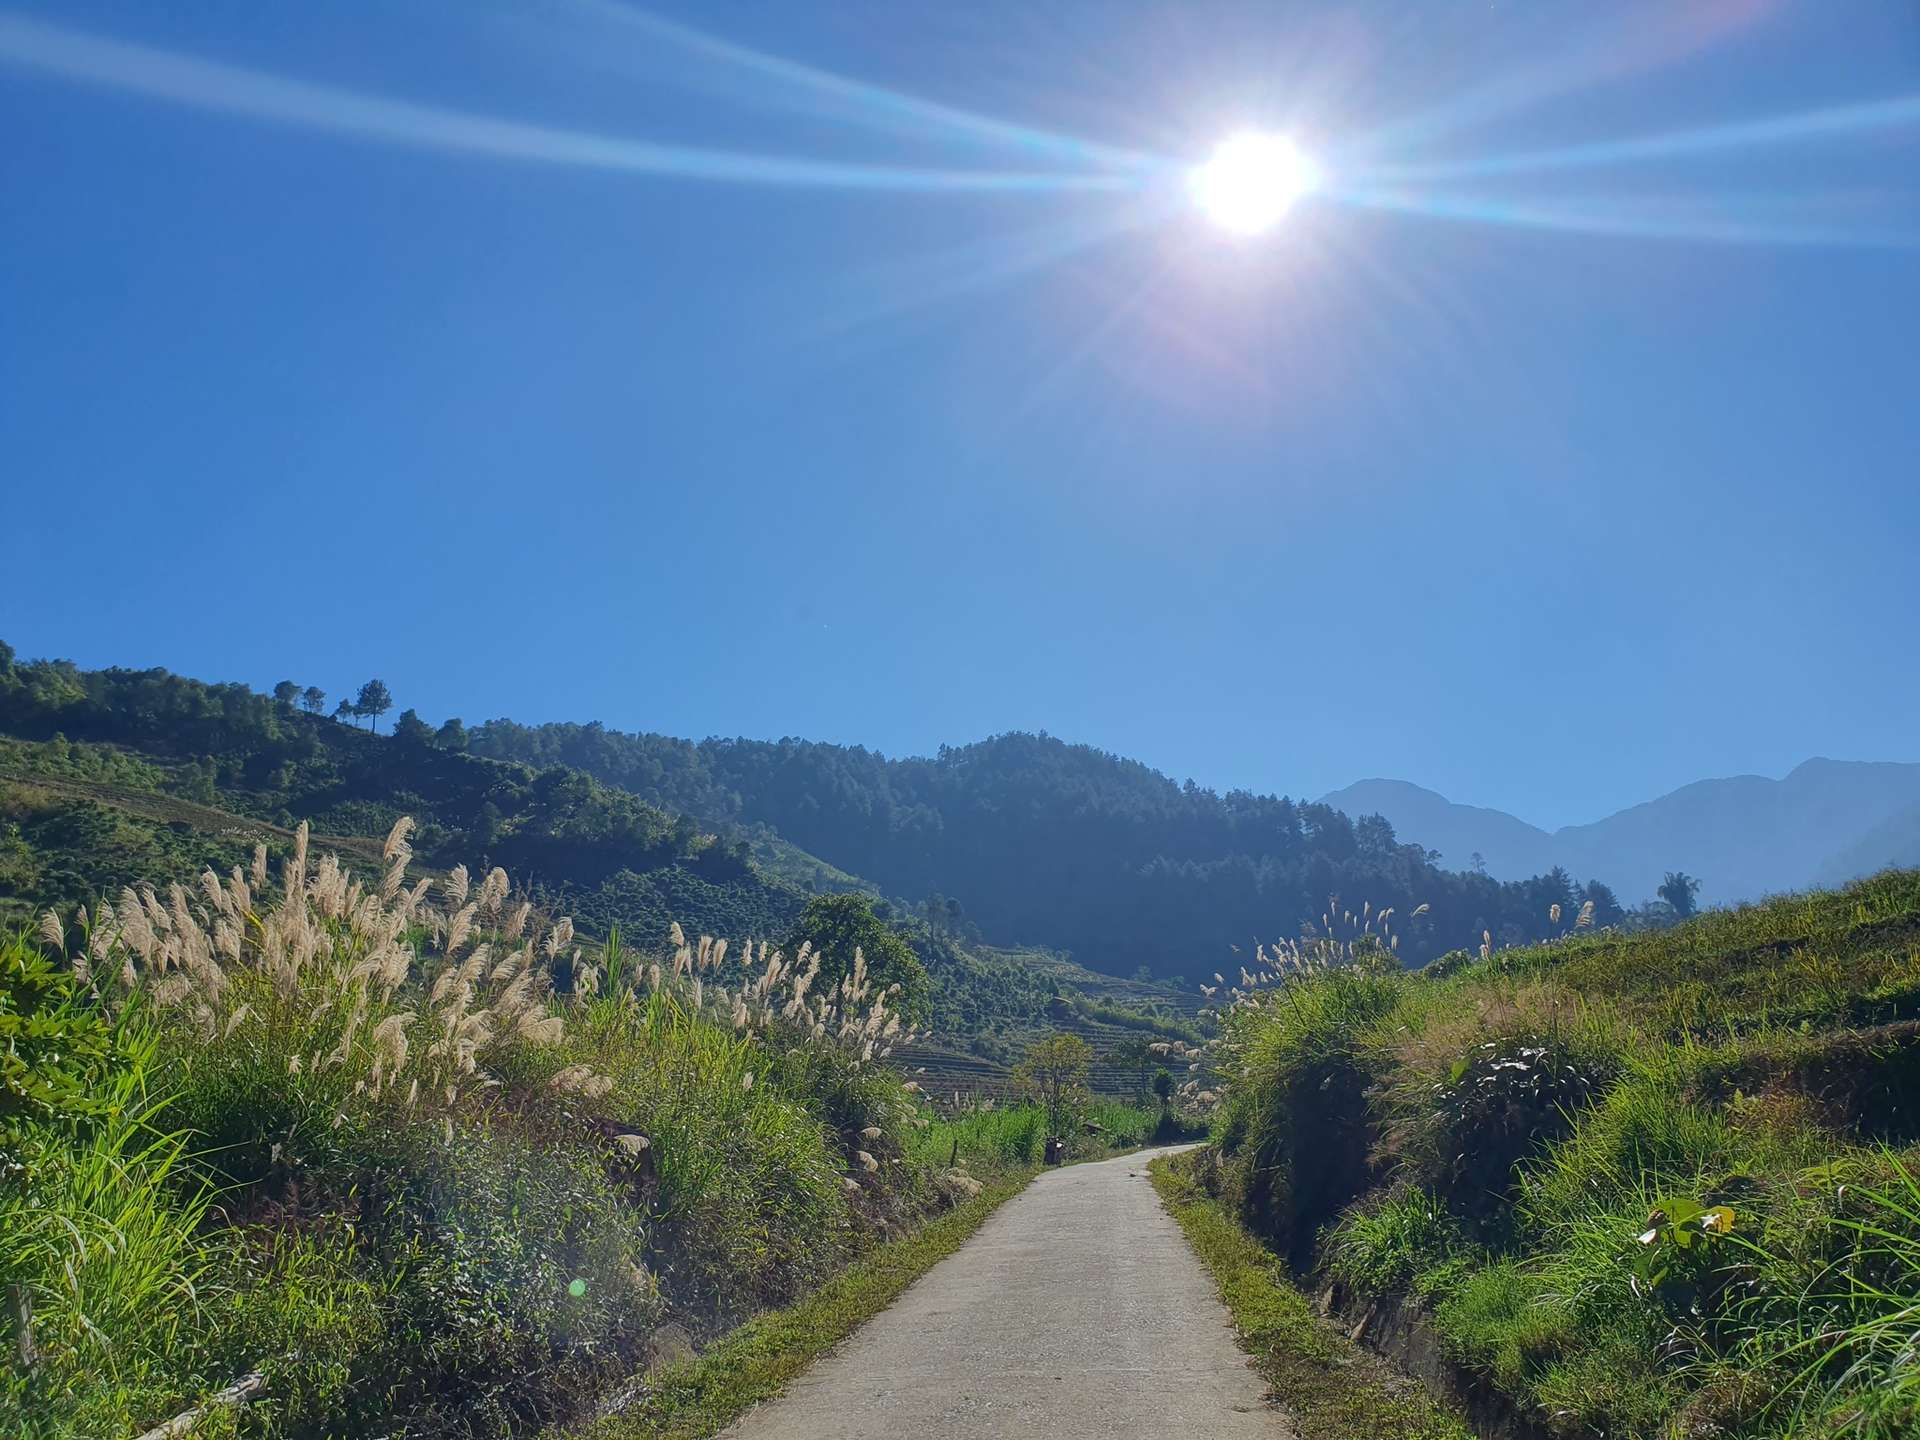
1251	181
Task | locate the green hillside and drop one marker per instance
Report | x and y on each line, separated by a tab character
113	777
97	764
1664	1184
1067	846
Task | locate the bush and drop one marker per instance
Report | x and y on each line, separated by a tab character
1384	1246
102	1235
451	1202
1295	1131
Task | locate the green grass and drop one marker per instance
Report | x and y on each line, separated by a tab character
1516	1143
1332	1389
754	1362
355	1140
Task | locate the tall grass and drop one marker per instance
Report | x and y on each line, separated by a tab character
1658	1184
356	1137
101	1235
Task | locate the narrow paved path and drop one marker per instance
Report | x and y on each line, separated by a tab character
1077	1312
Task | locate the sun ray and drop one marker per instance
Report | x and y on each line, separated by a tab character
1900	112
1643	217
873	106
211	85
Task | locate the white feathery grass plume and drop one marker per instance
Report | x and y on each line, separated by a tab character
459	927
239	894
538	1031
455	886
397	838
493	892
517	922
52	931
259	864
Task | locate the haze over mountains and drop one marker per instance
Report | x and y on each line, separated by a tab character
1744	836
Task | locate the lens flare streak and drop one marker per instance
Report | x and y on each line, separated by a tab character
1809	125
210	85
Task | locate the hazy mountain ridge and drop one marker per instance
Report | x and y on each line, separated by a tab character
1825	822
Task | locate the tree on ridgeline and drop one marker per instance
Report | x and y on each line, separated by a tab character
373	701
313	699
452	735
286	695
411	729
1681	891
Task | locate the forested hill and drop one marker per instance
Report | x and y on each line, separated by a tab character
1039	842
1064	845
104	770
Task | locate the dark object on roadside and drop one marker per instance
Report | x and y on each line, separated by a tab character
1056	1150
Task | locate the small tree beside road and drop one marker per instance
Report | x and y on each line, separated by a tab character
1054	1075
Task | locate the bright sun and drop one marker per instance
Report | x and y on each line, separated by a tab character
1251	180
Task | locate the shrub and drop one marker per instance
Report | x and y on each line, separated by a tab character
1053	1074
1297	1093
102	1235
53	1045
451	1201
1384	1246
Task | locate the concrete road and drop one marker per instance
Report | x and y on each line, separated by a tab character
1076	1312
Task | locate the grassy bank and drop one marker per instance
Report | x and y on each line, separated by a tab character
1329	1387
700	1397
348	1132
1645	1185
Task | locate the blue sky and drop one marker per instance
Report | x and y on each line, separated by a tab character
859	371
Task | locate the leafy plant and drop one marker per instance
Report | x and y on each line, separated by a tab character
54	1042
1678	1241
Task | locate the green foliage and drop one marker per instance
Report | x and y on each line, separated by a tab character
1056	844
999	1138
838	925
1054	1074
1297	1093
600	854
1649	1184
351	1140
54	1045
1167	1026
101	1232
1680	890
1333	1389
1383	1246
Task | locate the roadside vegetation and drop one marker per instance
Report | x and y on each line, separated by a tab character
1329	1387
1653	1184
429	1164
126	777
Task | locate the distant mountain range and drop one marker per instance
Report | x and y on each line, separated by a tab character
1743	837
